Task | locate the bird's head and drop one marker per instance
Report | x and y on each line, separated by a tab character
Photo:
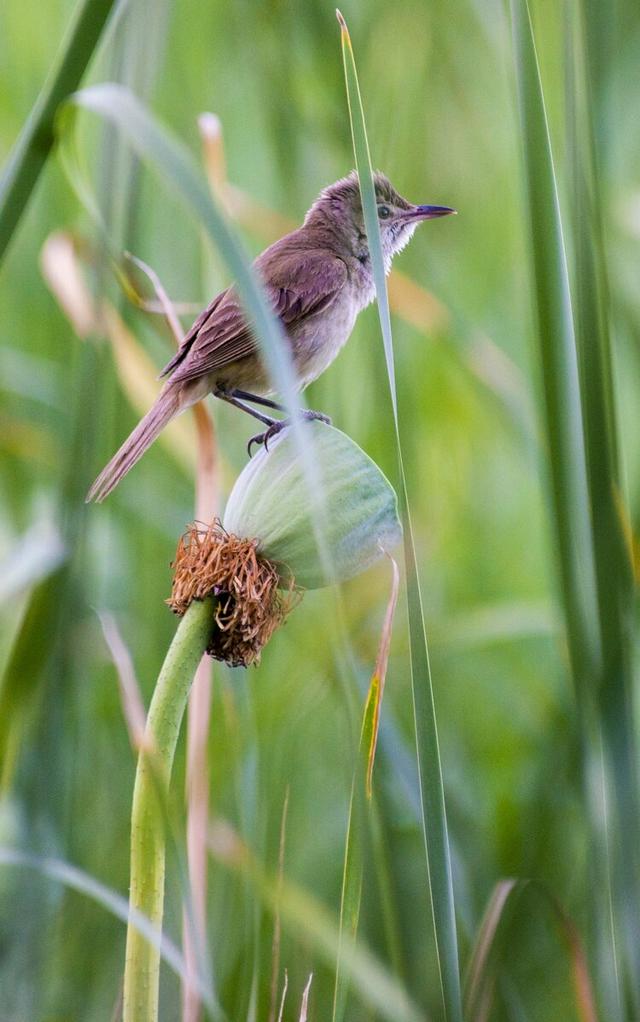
339	208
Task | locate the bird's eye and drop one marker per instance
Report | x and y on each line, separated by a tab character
384	212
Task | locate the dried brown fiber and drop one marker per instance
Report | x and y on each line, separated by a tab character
249	604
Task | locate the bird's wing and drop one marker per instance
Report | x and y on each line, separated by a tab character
187	341
298	284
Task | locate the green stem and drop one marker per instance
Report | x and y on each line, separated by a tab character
34	144
142	965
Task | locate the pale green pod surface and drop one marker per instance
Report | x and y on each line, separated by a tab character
322	530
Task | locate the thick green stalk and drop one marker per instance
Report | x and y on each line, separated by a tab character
34	144
142	965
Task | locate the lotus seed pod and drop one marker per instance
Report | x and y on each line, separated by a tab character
321	516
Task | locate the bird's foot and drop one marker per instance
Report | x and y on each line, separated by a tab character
277	426
309	416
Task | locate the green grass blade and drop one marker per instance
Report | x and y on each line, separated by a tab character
353	872
302	914
374	984
32	148
557	348
363	816
352	878
34	557
23	677
613	567
78	880
556	344
369	205
434	818
493	948
595	567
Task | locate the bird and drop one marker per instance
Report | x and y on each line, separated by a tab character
317	280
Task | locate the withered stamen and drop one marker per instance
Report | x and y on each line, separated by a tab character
250	606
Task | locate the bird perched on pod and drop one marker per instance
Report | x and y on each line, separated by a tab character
317	279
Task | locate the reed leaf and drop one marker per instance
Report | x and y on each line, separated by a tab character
596	576
32	148
360	801
78	880
362	810
491	946
434	819
557	350
353	868
304	915
607	504
23	678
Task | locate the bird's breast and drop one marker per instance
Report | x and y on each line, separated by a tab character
317	341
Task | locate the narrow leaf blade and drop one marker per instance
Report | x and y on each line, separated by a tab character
434	818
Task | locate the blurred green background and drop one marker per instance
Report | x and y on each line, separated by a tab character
439	93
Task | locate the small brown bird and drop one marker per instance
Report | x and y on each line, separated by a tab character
318	278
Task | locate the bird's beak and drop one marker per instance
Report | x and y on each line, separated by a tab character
428	212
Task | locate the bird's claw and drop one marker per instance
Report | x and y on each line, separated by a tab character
263	438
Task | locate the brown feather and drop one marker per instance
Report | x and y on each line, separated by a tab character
167	405
298	284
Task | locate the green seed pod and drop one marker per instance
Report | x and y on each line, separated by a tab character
323	530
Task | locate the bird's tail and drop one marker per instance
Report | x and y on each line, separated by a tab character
167	405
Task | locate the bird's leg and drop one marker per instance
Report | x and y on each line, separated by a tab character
241	399
258	400
268	403
232	398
